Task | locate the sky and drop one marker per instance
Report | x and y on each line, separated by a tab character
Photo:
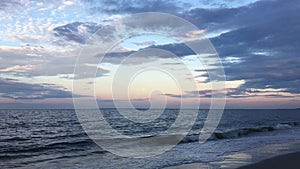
41	43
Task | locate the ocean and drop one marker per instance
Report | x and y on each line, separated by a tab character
55	139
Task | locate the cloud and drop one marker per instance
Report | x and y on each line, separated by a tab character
258	43
265	49
265	92
22	57
200	93
17	68
145	43
195	33
177	49
13	89
136	6
9	4
77	31
213	19
261	46
173	7
268	47
32	61
65	4
224	19
225	3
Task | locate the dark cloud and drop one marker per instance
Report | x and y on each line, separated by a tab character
241	17
135	6
77	31
268	47
13	89
225	3
178	49
265	36
213	19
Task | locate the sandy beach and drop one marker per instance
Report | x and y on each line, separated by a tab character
289	161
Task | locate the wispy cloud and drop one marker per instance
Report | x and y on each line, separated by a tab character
17	68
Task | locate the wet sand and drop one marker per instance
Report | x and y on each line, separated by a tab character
289	161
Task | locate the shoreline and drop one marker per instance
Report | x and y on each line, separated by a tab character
272	156
290	161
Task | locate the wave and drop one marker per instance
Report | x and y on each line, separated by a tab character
39	148
241	132
217	135
45	137
75	143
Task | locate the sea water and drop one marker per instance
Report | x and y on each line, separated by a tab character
56	139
